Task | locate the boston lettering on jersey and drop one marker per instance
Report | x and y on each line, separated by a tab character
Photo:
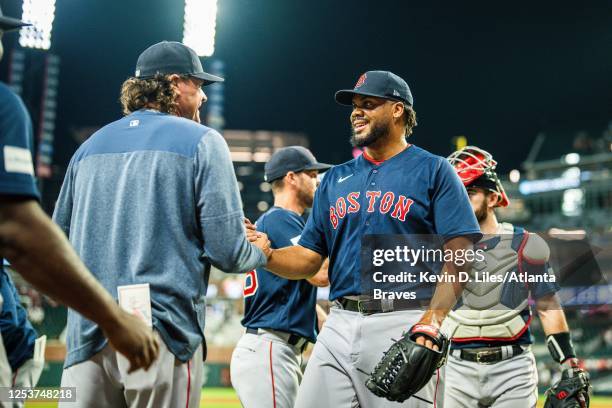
350	205
412	193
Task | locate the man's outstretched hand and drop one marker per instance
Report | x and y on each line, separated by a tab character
251	231
259	239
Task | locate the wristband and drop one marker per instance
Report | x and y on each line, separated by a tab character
560	346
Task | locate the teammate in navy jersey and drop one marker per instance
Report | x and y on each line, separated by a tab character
24	351
491	363
280	315
394	188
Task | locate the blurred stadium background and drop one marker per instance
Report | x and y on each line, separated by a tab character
549	125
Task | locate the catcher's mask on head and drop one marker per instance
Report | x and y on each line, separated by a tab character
476	168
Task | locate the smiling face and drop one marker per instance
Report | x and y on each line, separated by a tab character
371	119
190	97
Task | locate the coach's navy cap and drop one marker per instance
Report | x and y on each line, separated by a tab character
382	84
170	57
291	158
8	23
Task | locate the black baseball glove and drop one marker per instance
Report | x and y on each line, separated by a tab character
407	366
572	391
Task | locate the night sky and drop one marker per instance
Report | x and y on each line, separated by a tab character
498	73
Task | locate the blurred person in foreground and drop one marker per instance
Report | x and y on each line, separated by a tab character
39	251
24	350
151	201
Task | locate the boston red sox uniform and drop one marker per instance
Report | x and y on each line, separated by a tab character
491	363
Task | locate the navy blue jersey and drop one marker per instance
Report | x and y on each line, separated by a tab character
16	178
272	302
414	192
17	332
16	168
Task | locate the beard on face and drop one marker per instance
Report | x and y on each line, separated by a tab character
482	212
306	197
379	131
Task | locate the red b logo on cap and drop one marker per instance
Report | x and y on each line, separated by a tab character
361	80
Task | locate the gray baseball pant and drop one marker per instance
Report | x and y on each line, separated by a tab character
266	371
347	349
103	381
509	383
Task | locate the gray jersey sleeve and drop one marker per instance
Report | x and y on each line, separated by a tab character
219	209
62	214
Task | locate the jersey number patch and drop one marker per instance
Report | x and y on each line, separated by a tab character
250	283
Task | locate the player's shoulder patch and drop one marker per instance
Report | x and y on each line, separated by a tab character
18	160
536	250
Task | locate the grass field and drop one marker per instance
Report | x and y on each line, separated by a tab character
226	398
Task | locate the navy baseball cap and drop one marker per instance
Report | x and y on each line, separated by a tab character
382	84
170	57
291	158
8	23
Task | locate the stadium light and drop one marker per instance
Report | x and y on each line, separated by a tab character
572	158
40	13
200	26
573	202
515	176
570	179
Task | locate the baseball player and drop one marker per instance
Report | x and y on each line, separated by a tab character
280	315
150	201
24	351
394	188
491	363
38	250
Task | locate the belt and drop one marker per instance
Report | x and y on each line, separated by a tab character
490	355
372	306
291	339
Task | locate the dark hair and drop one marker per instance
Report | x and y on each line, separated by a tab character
410	119
278	184
158	92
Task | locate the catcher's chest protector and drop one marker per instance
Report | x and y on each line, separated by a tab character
488	309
